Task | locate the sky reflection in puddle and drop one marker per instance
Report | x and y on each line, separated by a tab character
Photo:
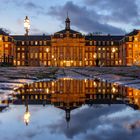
72	109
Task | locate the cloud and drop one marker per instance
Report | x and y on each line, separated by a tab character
123	11
104	123
83	18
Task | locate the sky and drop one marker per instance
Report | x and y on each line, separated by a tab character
87	16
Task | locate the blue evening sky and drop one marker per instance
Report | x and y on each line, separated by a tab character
48	16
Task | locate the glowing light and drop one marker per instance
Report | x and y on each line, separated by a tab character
27	116
113	50
27	23
47	50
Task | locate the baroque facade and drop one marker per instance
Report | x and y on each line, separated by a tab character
69	48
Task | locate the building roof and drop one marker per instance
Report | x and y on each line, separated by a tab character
134	32
64	32
2	32
104	38
31	37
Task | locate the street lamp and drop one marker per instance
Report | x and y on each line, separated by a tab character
27	28
27	115
27	25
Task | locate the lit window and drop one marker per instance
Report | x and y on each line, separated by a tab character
130	38
6	45
36	42
61	35
45	43
23	49
0	38
90	42
22	42
18	63
136	39
40	42
112	43
74	35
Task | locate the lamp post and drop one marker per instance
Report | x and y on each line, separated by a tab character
27	115
27	28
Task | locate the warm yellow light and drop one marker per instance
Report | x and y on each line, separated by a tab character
27	23
47	90
47	50
27	117
95	84
113	89
113	50
94	56
52	56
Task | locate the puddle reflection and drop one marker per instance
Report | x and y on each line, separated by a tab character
81	97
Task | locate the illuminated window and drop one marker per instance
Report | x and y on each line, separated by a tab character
31	55
40	55
45	42
23	55
40	42
36	42
0	38
61	35
74	35
6	38
6	45
32	43
103	49
18	63
90	42
22	42
136	39
36	55
130	38
18	49
23	49
112	43
99	49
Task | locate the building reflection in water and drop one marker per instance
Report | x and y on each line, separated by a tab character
68	94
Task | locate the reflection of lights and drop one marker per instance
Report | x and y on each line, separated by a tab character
52	83
47	50
136	100
47	90
27	116
113	89
113	50
95	84
94	56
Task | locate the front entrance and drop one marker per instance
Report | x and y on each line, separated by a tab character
68	63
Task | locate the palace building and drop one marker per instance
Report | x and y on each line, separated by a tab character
69	48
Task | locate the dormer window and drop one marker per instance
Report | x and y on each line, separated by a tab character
90	42
61	35
112	43
36	42
22	42
74	35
